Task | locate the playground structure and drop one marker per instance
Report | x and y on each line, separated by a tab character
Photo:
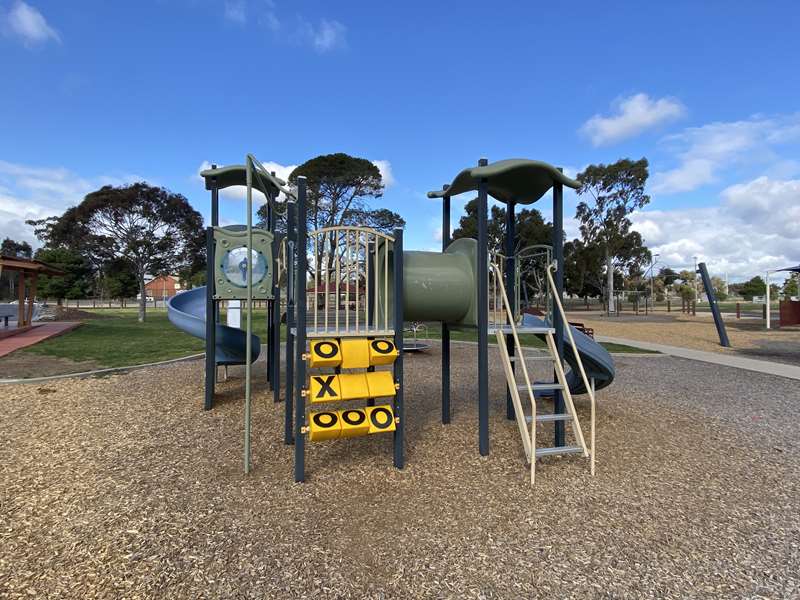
343	348
25	310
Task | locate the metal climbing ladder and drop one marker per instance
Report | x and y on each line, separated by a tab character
524	420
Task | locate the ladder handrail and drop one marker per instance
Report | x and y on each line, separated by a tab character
519	352
589	388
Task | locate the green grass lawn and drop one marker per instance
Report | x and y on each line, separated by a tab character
120	340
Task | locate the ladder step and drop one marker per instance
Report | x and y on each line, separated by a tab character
540	386
542	357
507	329
558	450
550	417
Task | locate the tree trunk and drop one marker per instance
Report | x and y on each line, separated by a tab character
610	276
142	299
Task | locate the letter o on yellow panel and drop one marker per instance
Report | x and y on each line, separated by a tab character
354	422
325	425
382	352
381	419
325	353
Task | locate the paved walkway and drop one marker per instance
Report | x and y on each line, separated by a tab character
35	335
750	364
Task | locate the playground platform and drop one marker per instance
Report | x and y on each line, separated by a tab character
33	335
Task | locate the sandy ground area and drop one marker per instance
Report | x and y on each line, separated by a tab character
123	487
747	336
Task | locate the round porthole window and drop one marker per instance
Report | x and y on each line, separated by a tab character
234	266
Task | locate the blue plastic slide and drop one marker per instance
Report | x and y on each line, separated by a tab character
187	311
597	362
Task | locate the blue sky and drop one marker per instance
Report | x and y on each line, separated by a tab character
99	92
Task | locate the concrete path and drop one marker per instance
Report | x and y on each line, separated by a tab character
750	364
35	335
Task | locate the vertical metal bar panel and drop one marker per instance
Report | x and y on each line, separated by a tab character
386	285
510	269
211	330
445	326
377	283
270	311
399	407
215	223
338	286
354	271
288	420
327	279
249	329
316	276
558	322
483	316
370	283
300	363
276	320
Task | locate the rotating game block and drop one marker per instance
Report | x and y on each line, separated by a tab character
381	384
325	353
355	353
354	385
381	419
354	422
382	352
324	425
325	388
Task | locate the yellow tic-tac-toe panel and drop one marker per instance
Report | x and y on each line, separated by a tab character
324	388
325	353
354	385
382	352
381	384
355	353
354	422
324	425
381	418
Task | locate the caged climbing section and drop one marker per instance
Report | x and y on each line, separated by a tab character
345	339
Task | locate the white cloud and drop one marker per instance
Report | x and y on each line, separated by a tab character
28	192
235	11
703	152
755	227
633	115
329	35
27	23
385	167
324	36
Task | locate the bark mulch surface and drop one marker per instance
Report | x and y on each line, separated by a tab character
122	487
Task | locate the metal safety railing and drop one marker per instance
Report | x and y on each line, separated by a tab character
349	282
588	383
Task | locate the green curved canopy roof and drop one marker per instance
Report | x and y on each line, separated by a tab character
512	180
231	175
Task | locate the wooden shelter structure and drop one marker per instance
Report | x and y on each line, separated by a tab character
28	271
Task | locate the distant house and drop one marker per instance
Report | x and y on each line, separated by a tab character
161	287
346	292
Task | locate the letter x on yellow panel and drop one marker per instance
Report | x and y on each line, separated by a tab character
325	353
325	388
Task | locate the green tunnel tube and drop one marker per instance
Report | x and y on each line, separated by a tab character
439	286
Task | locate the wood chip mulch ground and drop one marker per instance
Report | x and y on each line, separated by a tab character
121	487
